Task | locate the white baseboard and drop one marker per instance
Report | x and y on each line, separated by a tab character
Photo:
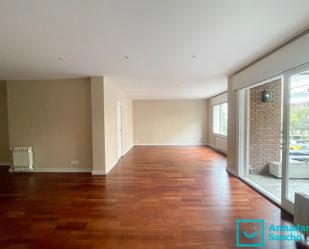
57	170
64	170
102	172
98	172
5	164
170	144
128	149
113	165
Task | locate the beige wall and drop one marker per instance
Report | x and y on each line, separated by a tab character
4	135
170	121
216	141
97	116
54	117
112	94
232	143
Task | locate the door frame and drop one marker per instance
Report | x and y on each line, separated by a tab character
119	130
243	138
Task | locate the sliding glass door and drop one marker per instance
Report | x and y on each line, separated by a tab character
295	136
273	141
264	126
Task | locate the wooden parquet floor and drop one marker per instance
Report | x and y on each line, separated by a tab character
155	197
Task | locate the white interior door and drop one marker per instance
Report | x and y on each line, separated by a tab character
120	134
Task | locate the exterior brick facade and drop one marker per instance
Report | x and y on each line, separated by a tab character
265	127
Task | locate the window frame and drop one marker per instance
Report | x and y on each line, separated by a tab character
214	131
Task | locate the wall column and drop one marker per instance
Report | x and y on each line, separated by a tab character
232	162
98	138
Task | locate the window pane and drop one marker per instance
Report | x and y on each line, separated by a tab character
223	124
216	119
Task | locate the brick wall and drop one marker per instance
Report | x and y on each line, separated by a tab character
265	127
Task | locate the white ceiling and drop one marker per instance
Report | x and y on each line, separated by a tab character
158	36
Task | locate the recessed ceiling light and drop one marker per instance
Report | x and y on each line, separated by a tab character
126	57
60	59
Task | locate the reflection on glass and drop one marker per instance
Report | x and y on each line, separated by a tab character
299	135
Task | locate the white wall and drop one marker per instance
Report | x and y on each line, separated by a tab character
232	131
292	55
216	141
112	94
170	121
97	123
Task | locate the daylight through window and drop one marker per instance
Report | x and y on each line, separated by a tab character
220	119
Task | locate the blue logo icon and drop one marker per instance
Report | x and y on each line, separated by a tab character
250	233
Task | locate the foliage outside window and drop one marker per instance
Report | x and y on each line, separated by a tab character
219	119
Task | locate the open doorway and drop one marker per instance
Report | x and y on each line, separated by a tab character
264	125
120	134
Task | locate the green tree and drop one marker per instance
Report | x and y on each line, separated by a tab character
299	119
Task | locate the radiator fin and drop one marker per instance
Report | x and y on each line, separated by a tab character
22	159
301	207
221	143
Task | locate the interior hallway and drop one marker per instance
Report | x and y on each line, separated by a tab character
156	197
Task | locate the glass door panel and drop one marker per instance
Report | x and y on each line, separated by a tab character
264	133
296	135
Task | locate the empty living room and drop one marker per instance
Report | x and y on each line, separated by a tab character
154	124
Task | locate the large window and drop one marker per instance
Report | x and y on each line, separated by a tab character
219	119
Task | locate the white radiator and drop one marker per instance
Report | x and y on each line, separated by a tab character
22	159
301	209
221	143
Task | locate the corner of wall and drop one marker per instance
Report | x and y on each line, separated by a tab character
4	127
113	93
98	126
232	129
